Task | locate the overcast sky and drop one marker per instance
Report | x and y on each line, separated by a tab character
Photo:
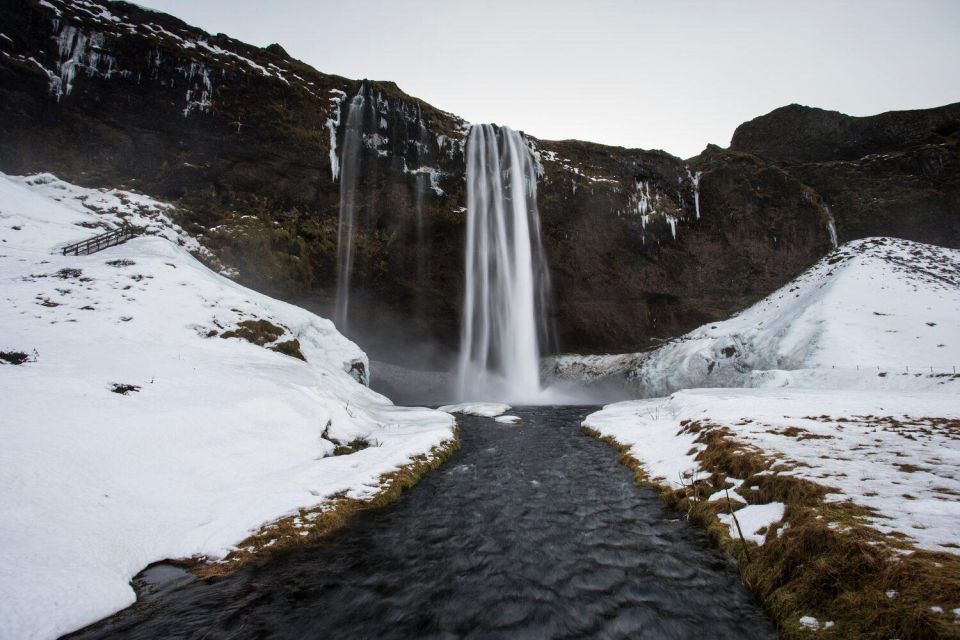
673	75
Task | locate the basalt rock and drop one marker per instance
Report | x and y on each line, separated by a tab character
248	142
896	173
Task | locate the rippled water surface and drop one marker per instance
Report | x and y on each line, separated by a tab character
529	531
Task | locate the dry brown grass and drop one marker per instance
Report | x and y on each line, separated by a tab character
346	448
800	434
825	560
261	333
312	524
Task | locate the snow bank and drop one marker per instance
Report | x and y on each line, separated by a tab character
214	437
890	451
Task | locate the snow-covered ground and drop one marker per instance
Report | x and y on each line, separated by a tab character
883	450
214	436
845	376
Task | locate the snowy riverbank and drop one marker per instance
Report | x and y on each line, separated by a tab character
163	411
809	443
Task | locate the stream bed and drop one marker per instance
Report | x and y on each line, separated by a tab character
529	531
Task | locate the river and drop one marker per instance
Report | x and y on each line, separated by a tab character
529	531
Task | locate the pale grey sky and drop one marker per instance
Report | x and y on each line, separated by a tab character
672	75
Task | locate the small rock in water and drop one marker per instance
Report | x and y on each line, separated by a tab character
508	419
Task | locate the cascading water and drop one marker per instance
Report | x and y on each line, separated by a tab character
831	225
506	276
421	185
349	173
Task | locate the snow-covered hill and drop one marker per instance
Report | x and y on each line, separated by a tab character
877	306
162	410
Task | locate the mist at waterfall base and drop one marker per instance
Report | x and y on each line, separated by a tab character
506	278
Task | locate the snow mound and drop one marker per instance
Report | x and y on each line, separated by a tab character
482	409
163	411
879	305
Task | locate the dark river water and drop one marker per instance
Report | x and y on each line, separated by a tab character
529	531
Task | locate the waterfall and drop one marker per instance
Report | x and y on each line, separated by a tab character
506	276
831	225
349	173
421	185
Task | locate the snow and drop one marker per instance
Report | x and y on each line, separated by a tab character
219	51
507	419
44	3
64	212
874	306
221	437
482	409
433	173
752	519
816	375
87	50
874	303
873	447
810	622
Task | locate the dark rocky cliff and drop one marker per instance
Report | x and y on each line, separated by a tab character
896	173
248	142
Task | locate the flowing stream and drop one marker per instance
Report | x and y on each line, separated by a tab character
529	531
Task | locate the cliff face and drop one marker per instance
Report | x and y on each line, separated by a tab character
895	173
250	143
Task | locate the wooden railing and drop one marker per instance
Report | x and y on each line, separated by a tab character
100	242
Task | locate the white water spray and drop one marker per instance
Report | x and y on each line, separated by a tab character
506	276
